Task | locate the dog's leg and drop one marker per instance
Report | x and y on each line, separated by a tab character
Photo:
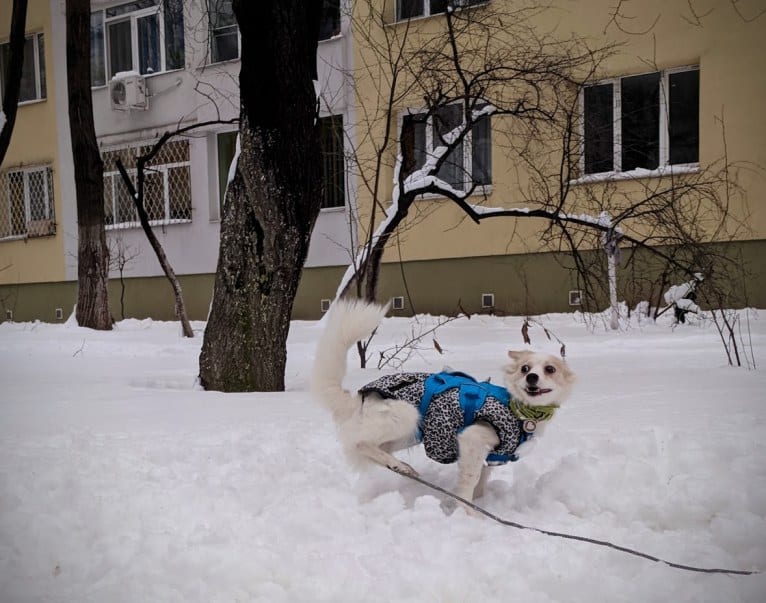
475	443
381	457
382	426
478	491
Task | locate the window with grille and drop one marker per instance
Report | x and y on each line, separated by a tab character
26	203
167	185
32	70
469	162
643	121
145	36
333	161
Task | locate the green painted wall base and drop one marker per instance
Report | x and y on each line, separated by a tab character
521	285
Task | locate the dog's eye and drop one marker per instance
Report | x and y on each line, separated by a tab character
550	369
525	368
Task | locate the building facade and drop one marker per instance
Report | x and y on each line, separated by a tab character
162	64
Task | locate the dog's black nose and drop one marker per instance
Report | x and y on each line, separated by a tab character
532	378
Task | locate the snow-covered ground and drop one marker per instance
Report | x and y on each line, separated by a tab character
122	482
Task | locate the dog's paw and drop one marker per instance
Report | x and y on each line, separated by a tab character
403	468
470	511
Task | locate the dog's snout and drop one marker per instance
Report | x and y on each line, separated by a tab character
532	378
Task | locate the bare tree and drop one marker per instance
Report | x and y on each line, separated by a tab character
492	62
120	255
13	74
93	253
272	202
136	191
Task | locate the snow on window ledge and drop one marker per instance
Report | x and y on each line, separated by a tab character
660	172
125	225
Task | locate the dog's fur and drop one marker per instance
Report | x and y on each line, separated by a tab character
373	430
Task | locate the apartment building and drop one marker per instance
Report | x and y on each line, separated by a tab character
157	65
31	202
678	92
674	96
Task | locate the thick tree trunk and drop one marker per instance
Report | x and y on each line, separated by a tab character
92	252
273	201
12	76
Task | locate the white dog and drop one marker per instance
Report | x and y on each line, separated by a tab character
456	418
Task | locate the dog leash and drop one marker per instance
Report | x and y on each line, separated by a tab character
604	543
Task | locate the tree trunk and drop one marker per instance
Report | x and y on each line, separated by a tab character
271	204
92	251
12	79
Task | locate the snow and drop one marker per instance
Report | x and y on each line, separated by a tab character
659	172
121	481
121	75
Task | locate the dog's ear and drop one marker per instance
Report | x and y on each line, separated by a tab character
516	356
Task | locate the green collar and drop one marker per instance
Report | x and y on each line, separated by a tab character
536	413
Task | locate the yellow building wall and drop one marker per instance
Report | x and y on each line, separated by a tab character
653	35
34	142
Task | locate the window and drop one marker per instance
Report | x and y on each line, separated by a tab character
145	36
32	70
226	43
333	161
406	9
227	148
167	185
26	202
224	33
469	162
641	122
329	25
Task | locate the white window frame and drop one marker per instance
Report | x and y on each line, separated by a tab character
38	58
49	208
664	167
133	18
480	189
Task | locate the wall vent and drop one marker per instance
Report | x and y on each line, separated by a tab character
397	303
575	298
324	304
487	301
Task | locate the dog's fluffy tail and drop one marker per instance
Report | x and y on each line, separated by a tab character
347	321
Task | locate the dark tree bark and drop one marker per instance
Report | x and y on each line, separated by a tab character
273	201
13	74
92	251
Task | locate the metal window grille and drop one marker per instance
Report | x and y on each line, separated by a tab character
26	203
167	185
333	159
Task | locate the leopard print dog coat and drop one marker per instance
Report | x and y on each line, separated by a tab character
449	402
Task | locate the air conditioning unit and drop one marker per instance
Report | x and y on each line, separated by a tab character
128	92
